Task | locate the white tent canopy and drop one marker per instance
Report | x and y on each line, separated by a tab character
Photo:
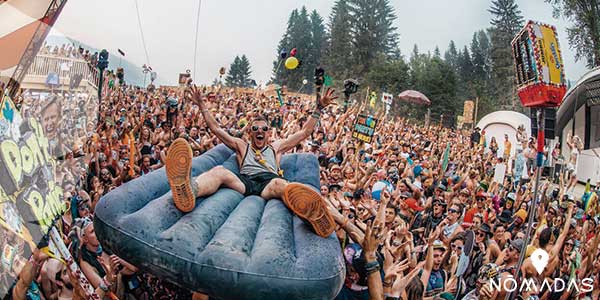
502	122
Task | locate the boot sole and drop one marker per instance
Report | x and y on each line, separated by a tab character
309	206
178	169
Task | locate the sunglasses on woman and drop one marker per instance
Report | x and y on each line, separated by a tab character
454	246
255	128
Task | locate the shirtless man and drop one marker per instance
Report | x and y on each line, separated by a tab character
258	162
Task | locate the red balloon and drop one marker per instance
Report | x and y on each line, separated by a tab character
293	52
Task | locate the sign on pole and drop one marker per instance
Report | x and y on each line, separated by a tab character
364	128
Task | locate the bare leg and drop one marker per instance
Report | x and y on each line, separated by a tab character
209	182
274	190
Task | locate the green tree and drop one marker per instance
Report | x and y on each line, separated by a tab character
373	32
317	48
451	55
390	76
338	59
239	73
464	73
297	36
506	22
584	34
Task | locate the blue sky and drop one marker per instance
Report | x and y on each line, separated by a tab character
229	28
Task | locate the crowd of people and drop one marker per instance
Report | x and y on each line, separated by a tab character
441	227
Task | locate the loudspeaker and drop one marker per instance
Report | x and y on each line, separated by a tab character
549	121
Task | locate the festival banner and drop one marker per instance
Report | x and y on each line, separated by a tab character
30	198
468	109
364	128
549	58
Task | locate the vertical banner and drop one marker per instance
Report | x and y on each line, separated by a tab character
468	109
30	198
446	157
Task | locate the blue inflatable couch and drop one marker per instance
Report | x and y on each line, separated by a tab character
228	247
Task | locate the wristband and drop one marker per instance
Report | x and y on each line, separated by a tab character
316	114
103	286
372	266
374	270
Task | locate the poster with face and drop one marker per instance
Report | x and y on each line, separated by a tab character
30	198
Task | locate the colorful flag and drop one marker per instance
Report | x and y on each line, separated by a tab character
327	80
446	157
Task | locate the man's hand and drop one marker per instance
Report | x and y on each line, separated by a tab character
327	99
194	95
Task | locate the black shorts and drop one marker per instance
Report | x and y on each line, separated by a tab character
255	184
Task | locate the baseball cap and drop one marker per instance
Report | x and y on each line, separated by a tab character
413	204
512	196
518	244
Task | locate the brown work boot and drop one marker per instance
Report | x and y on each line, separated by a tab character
179	168
309	206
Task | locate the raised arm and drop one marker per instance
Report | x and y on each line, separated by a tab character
282	146
195	95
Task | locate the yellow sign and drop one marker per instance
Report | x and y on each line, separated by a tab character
549	55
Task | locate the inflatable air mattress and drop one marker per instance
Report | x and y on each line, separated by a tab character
228	247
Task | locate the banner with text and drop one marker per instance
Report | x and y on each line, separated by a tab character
364	128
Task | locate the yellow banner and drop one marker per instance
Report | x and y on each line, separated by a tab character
550	59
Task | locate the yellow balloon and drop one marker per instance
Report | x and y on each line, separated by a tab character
291	63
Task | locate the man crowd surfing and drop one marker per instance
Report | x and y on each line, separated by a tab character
440	203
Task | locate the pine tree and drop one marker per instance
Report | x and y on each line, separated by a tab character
239	73
245	72
451	55
484	45
436	52
307	35
373	32
506	22
338	60
316	49
231	79
279	73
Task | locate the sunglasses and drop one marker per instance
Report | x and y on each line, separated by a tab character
255	128
481	199
569	244
452	210
481	233
552	212
454	246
